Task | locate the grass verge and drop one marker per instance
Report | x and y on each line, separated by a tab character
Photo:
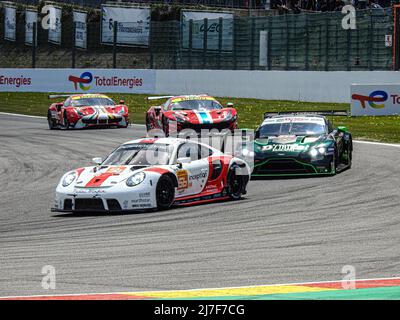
384	129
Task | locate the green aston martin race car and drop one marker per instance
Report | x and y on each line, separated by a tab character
301	143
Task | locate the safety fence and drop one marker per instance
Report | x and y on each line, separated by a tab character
307	41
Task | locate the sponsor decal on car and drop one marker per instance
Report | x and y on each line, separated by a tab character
183	181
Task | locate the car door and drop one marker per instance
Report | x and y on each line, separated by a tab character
193	176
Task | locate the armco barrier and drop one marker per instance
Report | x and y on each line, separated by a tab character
318	86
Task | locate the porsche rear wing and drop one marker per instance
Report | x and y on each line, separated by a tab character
335	113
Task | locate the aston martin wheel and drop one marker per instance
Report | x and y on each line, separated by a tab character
236	183
349	155
165	193
50	121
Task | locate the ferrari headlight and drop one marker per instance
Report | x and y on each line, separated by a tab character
68	179
135	179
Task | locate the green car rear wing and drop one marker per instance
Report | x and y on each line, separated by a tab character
344	113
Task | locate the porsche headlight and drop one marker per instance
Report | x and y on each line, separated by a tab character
68	179
136	179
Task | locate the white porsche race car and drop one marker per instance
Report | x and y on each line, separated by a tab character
153	173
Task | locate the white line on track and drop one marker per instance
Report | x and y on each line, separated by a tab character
200	289
143	125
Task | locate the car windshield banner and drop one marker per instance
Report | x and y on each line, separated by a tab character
77	80
375	100
213	30
55	31
80	29
10	23
133	25
30	18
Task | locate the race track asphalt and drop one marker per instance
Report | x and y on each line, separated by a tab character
283	231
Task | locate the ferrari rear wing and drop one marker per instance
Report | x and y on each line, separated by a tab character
159	97
344	113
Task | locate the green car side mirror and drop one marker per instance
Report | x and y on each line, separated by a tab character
343	129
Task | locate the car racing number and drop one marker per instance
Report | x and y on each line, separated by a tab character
183	179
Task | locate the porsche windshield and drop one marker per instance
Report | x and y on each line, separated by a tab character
199	104
139	154
291	128
83	102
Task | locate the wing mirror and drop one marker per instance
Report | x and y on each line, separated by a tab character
122	101
97	161
343	129
157	110
229	104
59	106
181	161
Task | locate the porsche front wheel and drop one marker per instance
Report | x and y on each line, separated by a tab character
236	184
165	193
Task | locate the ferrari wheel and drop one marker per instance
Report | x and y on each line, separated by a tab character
65	121
50	121
148	126
165	193
236	184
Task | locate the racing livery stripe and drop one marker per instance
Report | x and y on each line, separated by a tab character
157	170
97	181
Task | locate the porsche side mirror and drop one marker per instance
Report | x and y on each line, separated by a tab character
121	101
229	105
97	161
181	161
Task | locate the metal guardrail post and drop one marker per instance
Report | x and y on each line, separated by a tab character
205	34
34	31
220	31
73	44
115	44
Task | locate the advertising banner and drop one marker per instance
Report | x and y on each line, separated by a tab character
375	100
77	80
10	25
80	29
212	30
30	18
55	30
133	27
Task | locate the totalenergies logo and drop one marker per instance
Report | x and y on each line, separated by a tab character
83	81
375	96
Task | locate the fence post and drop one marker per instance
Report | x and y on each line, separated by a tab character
151	54
370	40
34	27
235	31
252	30
115	45
327	44
73	43
190	42
287	43
220	26
306	46
205	34
269	43
348	67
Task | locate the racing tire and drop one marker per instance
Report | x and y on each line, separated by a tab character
148	126
349	155
50	121
165	127
165	193
66	124
236	183
334	163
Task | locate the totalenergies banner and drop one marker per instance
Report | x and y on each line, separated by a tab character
77	80
375	100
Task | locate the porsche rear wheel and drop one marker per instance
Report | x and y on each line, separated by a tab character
236	183
50	121
165	193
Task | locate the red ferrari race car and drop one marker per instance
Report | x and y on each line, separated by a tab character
195	112
80	111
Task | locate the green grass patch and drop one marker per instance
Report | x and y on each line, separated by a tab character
385	129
